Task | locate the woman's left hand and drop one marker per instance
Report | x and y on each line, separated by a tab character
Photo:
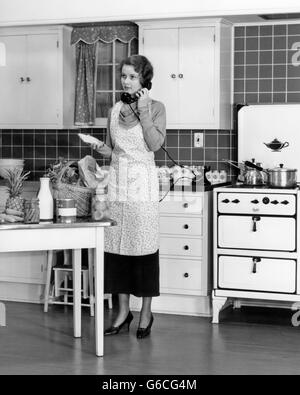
144	98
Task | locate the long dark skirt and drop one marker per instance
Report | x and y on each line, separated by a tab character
135	275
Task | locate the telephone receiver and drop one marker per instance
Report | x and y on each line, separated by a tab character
127	98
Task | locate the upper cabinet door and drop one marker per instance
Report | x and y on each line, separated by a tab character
13	80
38	81
161	48
192	67
42	76
196	75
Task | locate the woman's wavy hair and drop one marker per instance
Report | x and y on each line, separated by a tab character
142	66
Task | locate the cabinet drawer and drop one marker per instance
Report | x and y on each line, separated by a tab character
180	275
179	225
182	205
180	246
268	274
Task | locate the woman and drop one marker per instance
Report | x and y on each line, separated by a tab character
134	132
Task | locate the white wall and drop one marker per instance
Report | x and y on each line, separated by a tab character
24	12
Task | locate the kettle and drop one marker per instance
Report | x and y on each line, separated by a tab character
276	145
253	176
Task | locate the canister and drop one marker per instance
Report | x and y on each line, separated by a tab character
66	210
31	211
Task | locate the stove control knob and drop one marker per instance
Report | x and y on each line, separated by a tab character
285	202
255	201
266	200
274	202
235	201
225	201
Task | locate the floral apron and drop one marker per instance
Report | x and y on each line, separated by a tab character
132	192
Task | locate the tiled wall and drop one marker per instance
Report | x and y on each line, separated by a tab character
263	67
40	148
263	73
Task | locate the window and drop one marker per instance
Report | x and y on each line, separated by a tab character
108	75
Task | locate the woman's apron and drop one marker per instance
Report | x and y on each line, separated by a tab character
133	192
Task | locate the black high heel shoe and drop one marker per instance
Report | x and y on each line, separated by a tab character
144	332
114	330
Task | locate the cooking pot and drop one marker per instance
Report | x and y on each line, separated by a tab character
282	178
279	177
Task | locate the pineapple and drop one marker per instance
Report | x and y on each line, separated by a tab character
15	178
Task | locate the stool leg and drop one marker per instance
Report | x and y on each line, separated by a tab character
85	284
48	278
110	306
66	286
91	281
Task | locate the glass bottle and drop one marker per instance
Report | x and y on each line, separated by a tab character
99	204
31	211
46	200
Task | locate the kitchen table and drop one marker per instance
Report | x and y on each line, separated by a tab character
84	233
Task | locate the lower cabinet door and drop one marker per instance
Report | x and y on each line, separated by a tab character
257	274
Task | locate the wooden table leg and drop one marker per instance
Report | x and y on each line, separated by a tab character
76	265
99	290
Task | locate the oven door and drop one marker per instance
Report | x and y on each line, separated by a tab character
257	274
257	232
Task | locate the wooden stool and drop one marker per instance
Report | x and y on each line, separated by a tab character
63	273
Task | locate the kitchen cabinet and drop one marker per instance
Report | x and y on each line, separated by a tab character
192	70
38	82
185	255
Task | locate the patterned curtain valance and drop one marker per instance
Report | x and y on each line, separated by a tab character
105	33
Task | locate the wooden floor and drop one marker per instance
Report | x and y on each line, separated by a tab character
248	341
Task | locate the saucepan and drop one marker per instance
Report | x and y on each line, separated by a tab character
278	177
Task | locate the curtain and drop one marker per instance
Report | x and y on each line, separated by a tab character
85	38
85	84
107	33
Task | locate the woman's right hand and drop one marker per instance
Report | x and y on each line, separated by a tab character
97	146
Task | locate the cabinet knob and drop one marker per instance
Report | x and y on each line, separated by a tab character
22	79
28	79
185	205
186	248
186	275
185	226
173	75
180	75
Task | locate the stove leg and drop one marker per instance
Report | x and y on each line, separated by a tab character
217	304
2	315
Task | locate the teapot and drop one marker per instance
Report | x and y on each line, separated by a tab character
276	145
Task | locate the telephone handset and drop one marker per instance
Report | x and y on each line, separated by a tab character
129	99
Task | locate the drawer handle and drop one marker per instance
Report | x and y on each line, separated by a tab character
186	226
186	248
186	205
255	261
186	275
255	219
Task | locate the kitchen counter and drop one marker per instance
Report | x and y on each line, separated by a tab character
84	233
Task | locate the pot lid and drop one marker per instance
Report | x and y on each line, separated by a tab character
281	168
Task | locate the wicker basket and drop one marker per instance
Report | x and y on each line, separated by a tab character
82	195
